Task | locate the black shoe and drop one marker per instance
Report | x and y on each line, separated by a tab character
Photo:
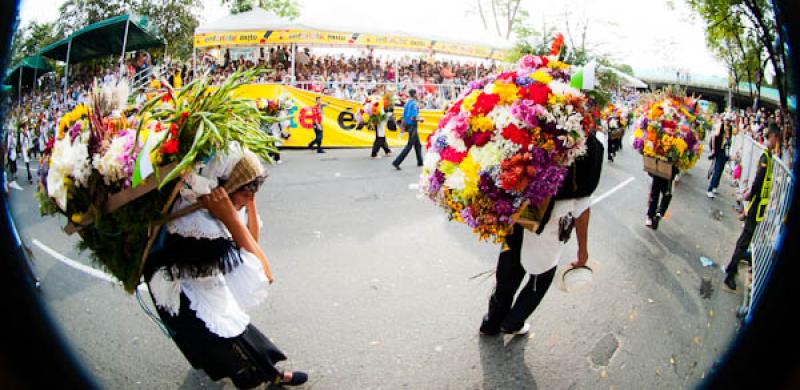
730	281
298	378
396	166
320	151
487	330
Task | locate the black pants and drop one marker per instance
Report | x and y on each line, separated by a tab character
413	141
505	313
317	138
661	188
28	167
743	244
248	359
380	142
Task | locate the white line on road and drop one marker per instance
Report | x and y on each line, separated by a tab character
74	264
611	191
81	267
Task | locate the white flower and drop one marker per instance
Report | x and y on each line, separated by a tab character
67	160
455	142
560	88
502	117
431	160
109	165
455	180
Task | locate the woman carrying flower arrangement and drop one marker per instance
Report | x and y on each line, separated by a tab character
211	268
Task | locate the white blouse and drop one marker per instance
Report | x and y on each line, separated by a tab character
219	300
541	252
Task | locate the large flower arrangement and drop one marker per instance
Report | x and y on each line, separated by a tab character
273	107
666	130
506	144
90	163
615	119
373	111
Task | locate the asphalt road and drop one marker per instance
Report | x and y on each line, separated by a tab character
374	289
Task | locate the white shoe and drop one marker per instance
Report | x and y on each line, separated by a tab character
714	191
710	195
648	222
279	162
524	330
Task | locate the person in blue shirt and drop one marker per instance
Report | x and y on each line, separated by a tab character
410	121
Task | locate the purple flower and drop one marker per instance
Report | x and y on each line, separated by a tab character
526	111
638	144
75	131
466	215
436	181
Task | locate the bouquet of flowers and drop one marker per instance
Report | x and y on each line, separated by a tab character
665	132
115	185
373	111
615	120
273	107
505	145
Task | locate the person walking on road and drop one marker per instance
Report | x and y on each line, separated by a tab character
537	252
316	119
758	198
209	269
660	197
410	122
720	144
380	131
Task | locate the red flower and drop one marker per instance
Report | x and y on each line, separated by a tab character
170	146
537	92
452	155
456	107
165	97
481	138
668	124
507	76
517	135
173	129
484	103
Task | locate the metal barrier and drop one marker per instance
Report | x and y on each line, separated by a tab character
748	151
431	96
764	245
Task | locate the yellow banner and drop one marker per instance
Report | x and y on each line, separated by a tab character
326	38
338	119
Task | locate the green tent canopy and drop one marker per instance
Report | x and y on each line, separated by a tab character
105	38
29	68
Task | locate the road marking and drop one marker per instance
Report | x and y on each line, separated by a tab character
613	190
74	264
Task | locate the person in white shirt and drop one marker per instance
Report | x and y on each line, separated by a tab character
536	249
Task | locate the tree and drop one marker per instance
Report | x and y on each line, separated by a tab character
76	14
285	8
31	38
747	28
176	20
506	15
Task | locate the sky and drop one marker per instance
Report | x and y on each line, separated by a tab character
646	34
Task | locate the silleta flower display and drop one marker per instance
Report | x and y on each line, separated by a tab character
115	177
667	130
506	144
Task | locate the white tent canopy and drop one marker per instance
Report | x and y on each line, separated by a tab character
625	79
255	19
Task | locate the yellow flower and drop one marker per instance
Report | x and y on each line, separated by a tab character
556	64
507	92
481	123
542	76
638	133
469	101
681	145
555	99
470	169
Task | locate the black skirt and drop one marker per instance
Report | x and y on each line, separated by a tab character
248	359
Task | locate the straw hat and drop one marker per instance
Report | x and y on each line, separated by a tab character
248	168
